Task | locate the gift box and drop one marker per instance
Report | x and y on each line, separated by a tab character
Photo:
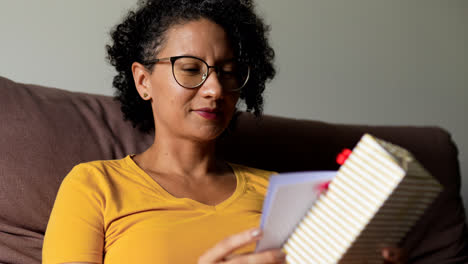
377	195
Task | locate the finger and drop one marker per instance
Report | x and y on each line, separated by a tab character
265	257
394	255
230	244
233	256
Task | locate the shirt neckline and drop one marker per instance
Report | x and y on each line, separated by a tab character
240	187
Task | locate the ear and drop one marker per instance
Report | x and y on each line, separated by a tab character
141	77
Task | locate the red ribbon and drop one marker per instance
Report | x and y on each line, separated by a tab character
343	156
340	159
323	187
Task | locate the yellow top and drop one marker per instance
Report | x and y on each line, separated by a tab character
113	212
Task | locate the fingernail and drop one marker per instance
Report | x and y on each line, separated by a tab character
385	253
256	233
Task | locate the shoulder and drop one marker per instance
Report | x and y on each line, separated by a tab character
101	165
251	174
95	173
90	183
256	180
253	171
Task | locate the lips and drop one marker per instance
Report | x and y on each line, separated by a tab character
209	113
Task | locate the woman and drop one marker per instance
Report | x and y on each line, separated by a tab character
182	68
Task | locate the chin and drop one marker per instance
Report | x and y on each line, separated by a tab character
208	133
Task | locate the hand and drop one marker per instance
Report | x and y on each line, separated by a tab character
394	255
221	252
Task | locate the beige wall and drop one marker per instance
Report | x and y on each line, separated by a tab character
392	62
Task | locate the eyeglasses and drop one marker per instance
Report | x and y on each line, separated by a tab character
191	72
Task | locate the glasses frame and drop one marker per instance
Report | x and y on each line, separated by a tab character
173	59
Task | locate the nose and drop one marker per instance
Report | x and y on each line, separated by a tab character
212	86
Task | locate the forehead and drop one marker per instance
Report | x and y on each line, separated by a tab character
202	38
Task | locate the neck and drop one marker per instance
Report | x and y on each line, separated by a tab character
181	156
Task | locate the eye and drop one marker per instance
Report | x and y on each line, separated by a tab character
228	69
228	74
191	68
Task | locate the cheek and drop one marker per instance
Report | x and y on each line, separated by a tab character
232	100
230	107
168	101
166	91
170	105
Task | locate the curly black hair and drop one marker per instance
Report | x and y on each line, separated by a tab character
140	34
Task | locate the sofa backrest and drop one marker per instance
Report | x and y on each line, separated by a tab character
44	132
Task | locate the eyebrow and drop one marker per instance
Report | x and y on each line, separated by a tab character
222	61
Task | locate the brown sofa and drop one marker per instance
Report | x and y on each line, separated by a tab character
45	131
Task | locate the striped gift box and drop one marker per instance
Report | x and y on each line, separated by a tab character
374	200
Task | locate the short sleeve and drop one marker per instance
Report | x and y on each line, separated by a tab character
75	231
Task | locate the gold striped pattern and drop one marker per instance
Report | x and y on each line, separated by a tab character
375	198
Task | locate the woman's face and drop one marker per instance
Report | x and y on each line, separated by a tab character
199	113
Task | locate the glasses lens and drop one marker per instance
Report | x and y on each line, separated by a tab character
233	75
191	72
